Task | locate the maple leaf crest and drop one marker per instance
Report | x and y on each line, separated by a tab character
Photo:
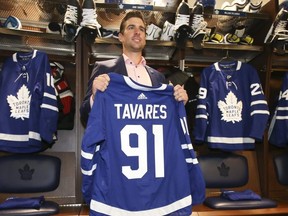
231	109
26	173
20	105
223	169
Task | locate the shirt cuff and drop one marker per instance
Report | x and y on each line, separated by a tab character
91	101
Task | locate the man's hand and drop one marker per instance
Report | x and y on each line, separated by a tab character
180	94
100	83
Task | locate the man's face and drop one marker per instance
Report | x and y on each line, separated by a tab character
133	38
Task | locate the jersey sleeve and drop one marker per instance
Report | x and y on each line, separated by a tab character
93	137
197	182
277	134
49	106
202	116
259	110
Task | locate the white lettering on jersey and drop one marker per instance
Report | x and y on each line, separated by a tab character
20	104
202	93
141	150
140	111
256	89
231	109
283	95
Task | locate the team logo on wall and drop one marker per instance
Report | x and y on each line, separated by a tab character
20	104
231	108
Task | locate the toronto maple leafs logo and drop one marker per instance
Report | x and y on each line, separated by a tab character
20	105
223	169
26	173
231	109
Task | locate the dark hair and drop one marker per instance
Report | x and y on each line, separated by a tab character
129	15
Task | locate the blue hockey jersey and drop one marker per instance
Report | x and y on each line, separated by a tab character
137	157
28	103
277	133
232	111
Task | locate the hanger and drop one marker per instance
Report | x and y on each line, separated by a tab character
227	58
27	44
27	47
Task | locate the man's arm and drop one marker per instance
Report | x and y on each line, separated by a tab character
86	106
86	103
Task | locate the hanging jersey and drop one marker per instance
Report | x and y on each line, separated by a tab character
66	101
192	87
137	157
28	105
277	134
232	110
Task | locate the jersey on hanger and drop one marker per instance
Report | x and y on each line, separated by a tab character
28	103
232	110
137	157
65	96
277	134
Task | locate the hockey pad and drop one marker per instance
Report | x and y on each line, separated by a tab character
182	34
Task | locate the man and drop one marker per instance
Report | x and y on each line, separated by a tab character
131	63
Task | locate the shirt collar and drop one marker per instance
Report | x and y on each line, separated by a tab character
128	61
